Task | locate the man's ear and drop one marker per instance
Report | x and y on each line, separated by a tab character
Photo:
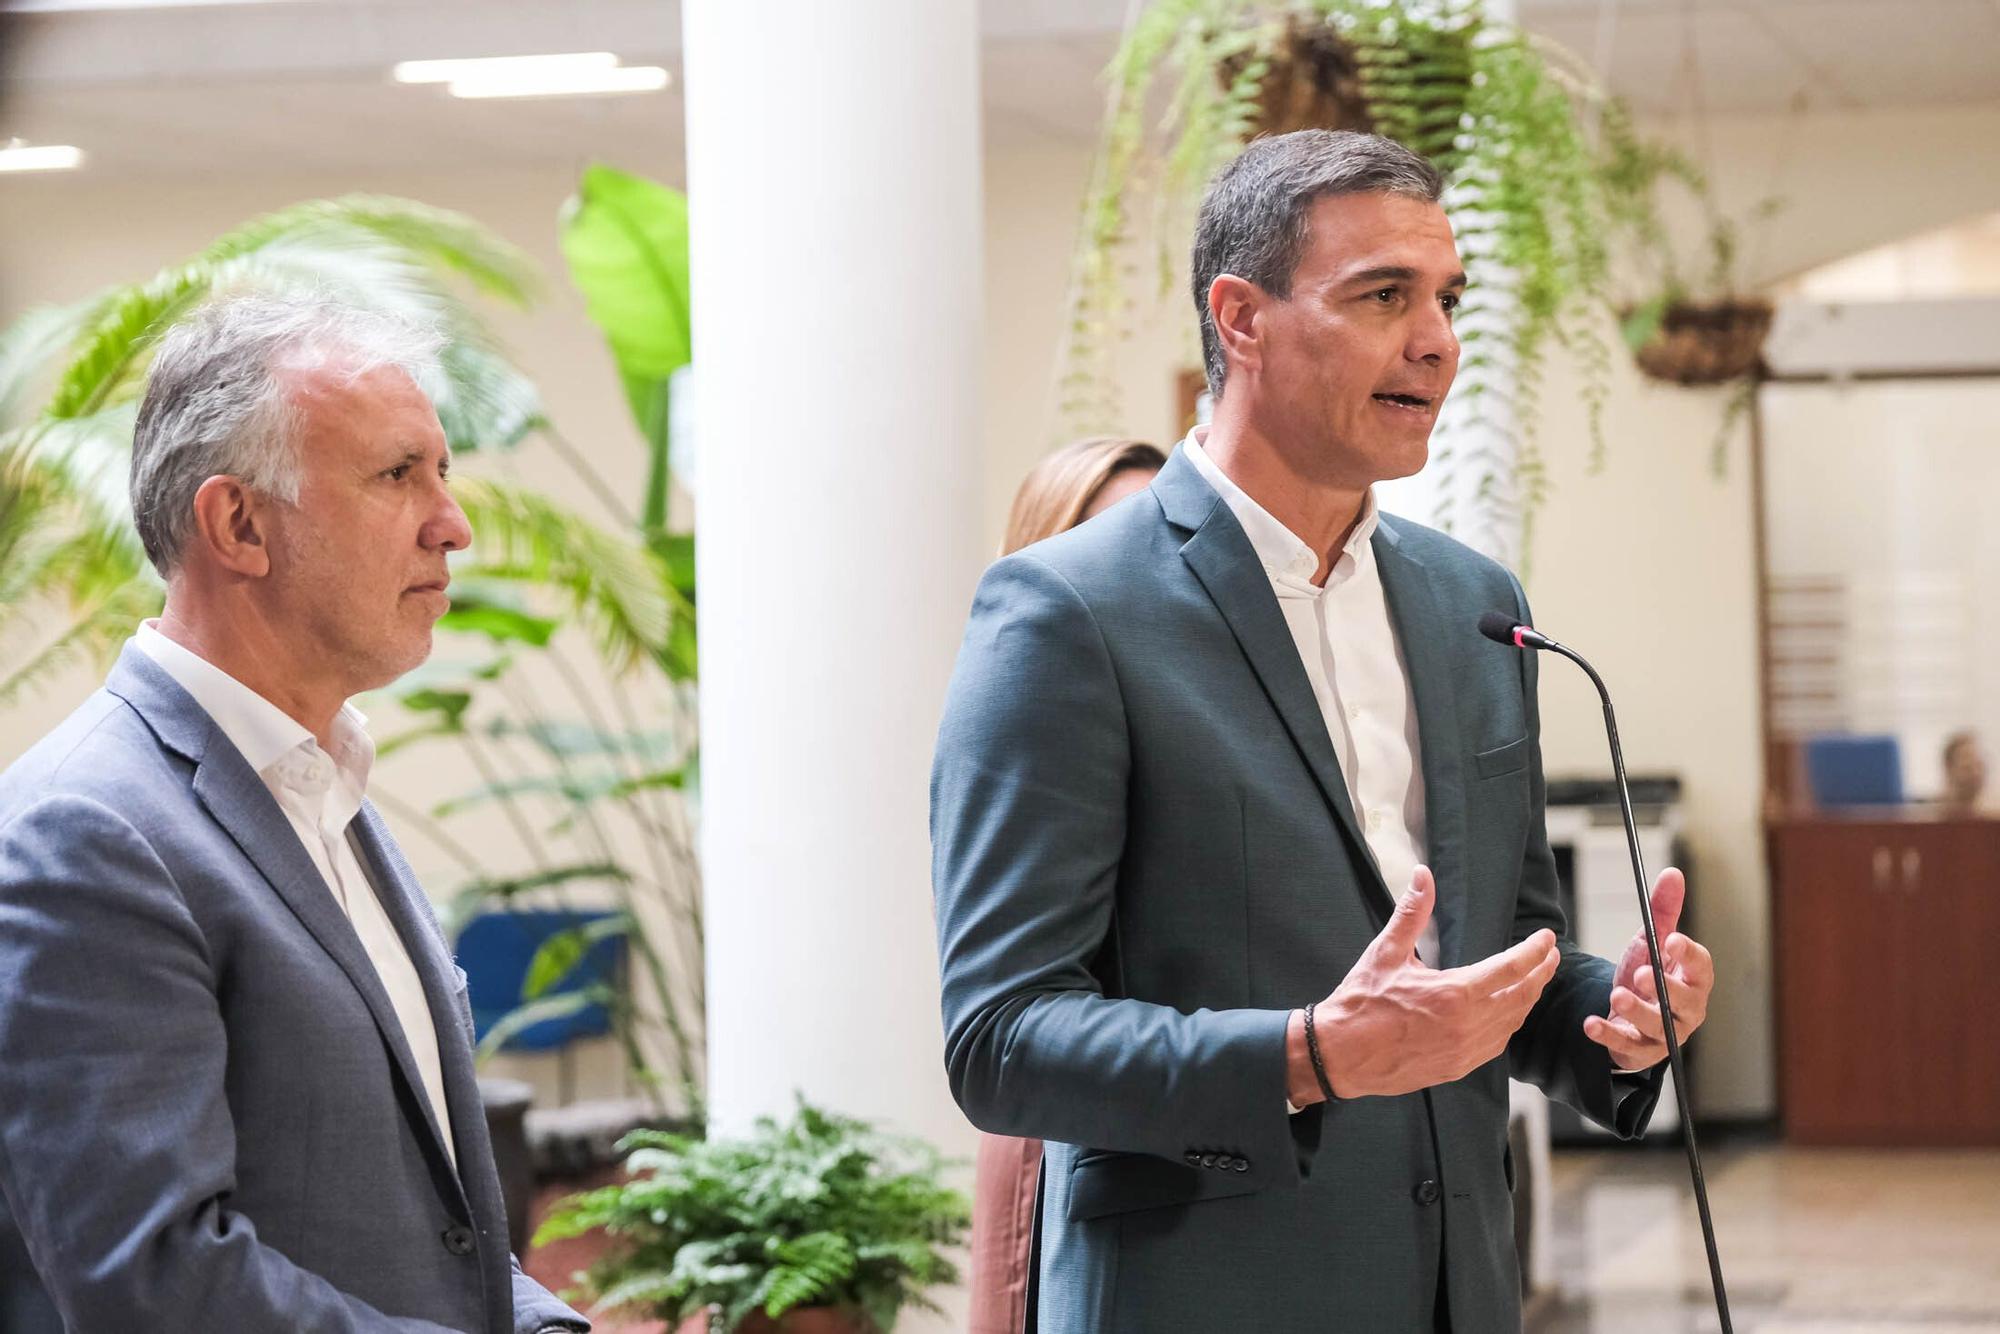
233	524
1236	307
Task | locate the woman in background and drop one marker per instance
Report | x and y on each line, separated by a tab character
1075	483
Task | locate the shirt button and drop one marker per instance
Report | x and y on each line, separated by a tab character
1374	821
1354	711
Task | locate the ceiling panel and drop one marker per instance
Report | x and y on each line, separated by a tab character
303	85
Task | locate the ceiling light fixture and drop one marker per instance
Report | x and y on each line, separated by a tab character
563	83
17	156
499	67
574	74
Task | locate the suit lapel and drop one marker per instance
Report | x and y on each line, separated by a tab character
1221	557
402	899
476	1183
236	797
1425	638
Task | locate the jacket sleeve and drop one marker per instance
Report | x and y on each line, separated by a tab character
1551	1050
117	1149
1028	799
537	1309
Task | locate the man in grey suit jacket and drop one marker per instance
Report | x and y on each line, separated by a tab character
236	1083
1236	741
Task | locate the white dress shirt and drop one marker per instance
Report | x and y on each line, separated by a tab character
1355	663
320	794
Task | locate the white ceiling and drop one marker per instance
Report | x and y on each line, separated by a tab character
302	85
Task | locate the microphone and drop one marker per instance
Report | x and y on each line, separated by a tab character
1504	629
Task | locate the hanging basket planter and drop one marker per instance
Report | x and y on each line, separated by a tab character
1705	343
1313	81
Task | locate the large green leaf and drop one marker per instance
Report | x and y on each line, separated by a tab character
626	241
562	952
559	1006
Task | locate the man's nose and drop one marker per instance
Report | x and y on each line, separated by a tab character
448	529
1433	341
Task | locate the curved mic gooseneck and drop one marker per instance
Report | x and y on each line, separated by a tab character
1503	629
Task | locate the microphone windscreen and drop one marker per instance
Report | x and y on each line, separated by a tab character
1499	627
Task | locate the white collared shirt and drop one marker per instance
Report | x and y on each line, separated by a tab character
320	794
1355	663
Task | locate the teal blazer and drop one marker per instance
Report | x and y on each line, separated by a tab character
1144	857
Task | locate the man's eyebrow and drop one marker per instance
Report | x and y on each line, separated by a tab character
1397	273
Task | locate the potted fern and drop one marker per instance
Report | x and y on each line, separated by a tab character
822	1225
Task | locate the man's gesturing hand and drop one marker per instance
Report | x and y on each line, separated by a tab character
1633	1032
1395	1025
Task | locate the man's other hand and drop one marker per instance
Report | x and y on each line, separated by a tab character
1632	1032
1396	1025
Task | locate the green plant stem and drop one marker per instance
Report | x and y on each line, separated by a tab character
523	828
592	479
640	941
421	821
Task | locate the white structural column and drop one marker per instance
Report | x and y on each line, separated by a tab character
834	182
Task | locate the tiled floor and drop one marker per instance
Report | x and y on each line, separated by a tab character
1813	1241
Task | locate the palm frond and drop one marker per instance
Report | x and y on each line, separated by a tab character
617	586
31	344
441	238
89	459
92	634
481	398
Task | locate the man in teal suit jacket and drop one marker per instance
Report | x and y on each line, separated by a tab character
1149	865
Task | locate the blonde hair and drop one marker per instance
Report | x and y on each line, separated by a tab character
1056	492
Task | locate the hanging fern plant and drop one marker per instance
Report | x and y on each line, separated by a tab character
1490	106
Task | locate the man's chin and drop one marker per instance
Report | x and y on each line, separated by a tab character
391	667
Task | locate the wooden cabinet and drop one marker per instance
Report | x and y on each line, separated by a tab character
1886	943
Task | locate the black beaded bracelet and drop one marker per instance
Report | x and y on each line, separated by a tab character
1312	1050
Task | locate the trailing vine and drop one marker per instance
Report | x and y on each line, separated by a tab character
1491	107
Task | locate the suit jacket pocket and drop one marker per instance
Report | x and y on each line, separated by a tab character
1116	1183
1507	759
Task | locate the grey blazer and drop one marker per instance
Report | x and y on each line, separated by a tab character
209	1116
1145	857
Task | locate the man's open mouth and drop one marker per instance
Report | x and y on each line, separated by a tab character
1415	401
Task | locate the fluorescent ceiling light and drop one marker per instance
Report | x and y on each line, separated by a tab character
504	67
563	82
18	156
64	6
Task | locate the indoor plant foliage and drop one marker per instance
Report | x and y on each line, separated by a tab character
821	1212
1491	108
74	581
1686	323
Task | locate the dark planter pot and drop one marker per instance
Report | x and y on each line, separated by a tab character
805	1320
1315	81
506	1102
1705	344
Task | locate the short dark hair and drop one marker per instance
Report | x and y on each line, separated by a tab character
1256	217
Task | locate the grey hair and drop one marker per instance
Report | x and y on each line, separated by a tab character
217	404
1256	218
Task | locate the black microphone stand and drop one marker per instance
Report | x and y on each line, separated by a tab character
1527	637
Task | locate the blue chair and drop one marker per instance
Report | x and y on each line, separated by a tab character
495	950
1846	769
